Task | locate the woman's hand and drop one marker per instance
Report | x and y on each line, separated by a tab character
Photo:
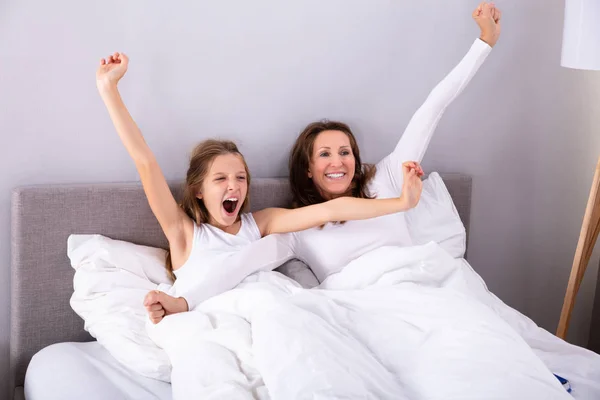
488	17
111	70
159	304
412	186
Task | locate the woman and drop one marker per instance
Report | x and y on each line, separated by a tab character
325	164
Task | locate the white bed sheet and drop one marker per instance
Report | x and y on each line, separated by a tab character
87	371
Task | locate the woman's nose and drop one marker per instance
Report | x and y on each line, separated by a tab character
335	161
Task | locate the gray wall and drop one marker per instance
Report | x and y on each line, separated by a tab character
258	71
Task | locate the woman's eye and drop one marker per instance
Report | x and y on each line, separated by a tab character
345	153
324	154
242	178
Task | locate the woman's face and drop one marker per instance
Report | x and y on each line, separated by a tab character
332	164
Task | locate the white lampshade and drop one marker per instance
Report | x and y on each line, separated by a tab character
581	35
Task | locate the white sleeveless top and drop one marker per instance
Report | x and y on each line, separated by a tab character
210	242
219	261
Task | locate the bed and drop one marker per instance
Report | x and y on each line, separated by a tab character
43	216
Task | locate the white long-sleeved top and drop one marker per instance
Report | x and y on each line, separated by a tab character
328	250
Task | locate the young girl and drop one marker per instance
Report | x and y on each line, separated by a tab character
212	216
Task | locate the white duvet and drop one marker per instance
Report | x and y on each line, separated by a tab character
397	323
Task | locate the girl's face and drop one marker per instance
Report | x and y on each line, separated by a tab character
224	190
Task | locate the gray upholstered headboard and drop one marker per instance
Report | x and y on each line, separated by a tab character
42	278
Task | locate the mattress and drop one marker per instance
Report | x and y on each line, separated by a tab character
87	371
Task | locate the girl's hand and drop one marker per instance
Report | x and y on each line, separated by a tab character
111	70
412	187
159	304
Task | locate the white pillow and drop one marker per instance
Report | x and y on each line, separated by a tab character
436	219
111	279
